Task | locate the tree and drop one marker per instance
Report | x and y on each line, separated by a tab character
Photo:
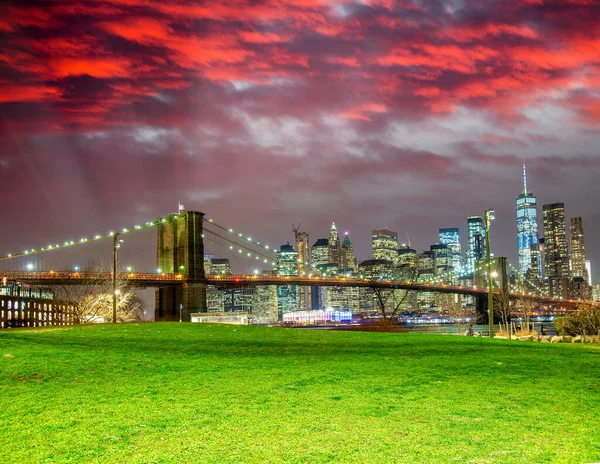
502	309
91	299
526	305
584	321
454	311
390	307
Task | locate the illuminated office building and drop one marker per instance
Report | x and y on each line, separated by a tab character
385	245
426	269
334	245
220	266
320	253
451	237
375	269
476	236
288	296
406	266
556	255
208	259
588	268
578	267
347	259
303	260
442	261
302	253
527	229
264	303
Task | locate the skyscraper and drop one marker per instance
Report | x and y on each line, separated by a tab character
385	244
334	245
302	252
527	229
303	260
347	261
556	254
451	237
287	295
320	253
476	246
442	261
578	267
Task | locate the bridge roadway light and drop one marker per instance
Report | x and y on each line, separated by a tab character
489	217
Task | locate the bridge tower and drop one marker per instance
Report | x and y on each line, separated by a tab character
180	250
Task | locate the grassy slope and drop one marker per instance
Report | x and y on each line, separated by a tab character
205	393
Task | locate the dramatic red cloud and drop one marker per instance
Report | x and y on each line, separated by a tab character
437	59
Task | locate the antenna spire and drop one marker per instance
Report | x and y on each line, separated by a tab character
524	179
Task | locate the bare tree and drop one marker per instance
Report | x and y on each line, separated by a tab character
502	309
389	301
459	315
389	307
91	300
526	305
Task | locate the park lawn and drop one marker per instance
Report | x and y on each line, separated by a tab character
171	392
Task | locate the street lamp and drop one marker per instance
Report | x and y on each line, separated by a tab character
489	217
116	245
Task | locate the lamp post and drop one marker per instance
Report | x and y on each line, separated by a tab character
489	217
116	246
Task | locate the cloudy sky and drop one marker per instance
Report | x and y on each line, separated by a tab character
260	113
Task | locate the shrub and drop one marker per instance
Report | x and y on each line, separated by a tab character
584	321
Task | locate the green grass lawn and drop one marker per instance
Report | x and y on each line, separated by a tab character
208	393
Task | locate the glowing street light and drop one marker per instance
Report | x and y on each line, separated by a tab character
489	217
116	245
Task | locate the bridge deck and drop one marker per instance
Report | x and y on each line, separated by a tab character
142	280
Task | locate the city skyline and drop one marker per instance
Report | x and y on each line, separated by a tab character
407	115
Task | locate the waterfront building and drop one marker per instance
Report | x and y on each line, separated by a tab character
317	317
334	245
451	237
476	238
238	299
556	255
26	306
340	298
319	253
264	303
385	245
